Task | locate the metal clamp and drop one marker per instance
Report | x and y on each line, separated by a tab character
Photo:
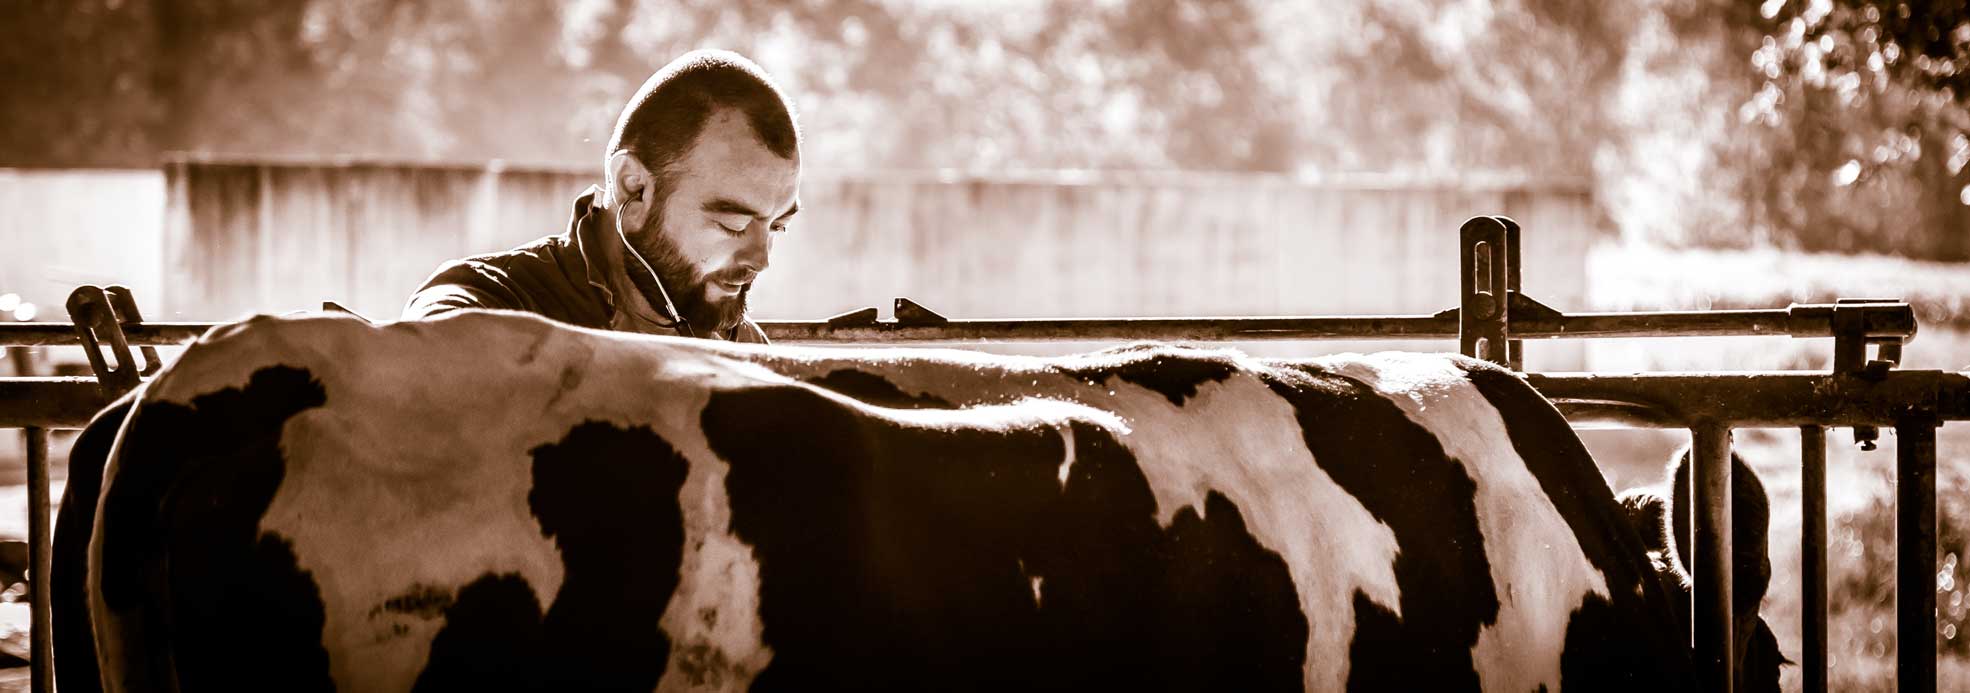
124	304
1488	260
1852	319
94	315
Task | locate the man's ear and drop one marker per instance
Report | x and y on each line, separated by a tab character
629	181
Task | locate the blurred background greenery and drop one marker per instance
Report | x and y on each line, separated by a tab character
1736	152
1807	124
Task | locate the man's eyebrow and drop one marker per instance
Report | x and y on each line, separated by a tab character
726	205
791	212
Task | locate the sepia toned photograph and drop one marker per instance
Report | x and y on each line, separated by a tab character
984	345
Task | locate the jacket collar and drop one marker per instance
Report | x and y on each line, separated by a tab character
592	238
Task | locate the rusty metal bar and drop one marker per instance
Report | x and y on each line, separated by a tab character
1771	399
1915	552
51	402
63	334
1812	558
1801	320
40	548
1710	567
1775	399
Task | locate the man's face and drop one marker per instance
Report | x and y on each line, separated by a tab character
711	236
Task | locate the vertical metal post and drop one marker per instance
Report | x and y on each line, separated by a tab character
1481	315
1514	348
1812	557
1710	448
1915	552
40	549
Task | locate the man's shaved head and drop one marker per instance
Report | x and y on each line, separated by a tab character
664	118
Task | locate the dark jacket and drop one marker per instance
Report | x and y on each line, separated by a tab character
561	277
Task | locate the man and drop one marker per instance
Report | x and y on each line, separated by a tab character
702	173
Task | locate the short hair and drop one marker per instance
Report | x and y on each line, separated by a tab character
664	119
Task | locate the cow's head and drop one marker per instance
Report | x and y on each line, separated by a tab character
1665	530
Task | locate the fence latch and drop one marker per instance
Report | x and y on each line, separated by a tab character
1850	341
100	315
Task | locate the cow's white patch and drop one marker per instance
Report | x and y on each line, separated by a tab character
1067	460
1541	572
1331	545
1034	581
380	500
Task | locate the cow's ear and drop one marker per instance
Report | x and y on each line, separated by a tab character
1645	512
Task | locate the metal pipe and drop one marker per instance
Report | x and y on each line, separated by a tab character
1777	399
1915	552
1812	557
40	549
51	402
1815	320
63	334
1710	452
1772	399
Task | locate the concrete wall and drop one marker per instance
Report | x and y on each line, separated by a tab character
62	228
243	237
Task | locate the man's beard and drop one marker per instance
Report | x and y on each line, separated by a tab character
686	287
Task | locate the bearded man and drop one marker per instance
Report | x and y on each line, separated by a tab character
702	173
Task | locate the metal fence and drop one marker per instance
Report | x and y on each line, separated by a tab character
1864	390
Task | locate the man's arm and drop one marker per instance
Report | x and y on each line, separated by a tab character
462	284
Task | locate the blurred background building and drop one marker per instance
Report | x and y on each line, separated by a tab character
1040	158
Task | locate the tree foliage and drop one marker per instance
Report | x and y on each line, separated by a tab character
1816	124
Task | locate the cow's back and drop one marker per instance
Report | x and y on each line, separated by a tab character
492	501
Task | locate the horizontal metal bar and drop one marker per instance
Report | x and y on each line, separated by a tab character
1774	399
57	402
1815	320
1114	329
138	334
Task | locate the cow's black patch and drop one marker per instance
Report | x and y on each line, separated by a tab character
75	642
902	557
607	496
240	613
877	390
1636	626
1401	474
491	641
1174	376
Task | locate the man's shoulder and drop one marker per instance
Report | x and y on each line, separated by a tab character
542	276
539	253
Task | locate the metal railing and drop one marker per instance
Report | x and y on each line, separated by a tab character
1492	320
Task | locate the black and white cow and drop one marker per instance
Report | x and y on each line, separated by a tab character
491	501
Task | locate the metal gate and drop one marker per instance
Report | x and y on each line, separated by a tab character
1864	390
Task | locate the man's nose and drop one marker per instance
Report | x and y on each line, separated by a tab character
756	247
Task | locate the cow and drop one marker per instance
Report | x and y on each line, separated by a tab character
494	501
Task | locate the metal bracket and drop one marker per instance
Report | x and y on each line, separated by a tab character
1488	259
1523	307
1850	342
333	307
910	314
861	317
124	304
92	311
